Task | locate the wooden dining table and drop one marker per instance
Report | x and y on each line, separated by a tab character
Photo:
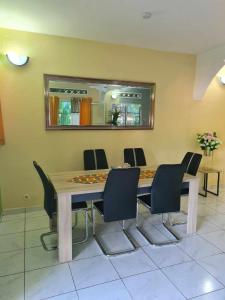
69	188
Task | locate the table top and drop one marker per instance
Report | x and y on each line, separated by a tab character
63	182
206	170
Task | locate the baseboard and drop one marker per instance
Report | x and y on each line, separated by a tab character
11	211
214	186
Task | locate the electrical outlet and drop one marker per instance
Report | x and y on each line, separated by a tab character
26	196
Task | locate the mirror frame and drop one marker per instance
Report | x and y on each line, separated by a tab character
48	77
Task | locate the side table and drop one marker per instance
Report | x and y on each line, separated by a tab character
206	171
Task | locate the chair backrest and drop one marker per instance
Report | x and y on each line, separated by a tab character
129	156
194	164
135	157
140	157
120	194
95	159
49	199
186	160
89	160
165	191
101	159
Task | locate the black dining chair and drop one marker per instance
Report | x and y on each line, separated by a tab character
89	160
140	157
194	164
135	157
192	169
101	160
190	163
186	160
119	202
164	197
129	156
50	206
95	159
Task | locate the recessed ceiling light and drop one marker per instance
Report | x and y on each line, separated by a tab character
146	15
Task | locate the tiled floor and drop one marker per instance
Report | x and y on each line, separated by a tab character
192	269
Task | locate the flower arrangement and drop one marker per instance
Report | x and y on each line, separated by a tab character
208	141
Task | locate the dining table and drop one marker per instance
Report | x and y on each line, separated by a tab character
79	186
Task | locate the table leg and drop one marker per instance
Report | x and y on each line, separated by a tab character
205	186
192	206
64	222
218	186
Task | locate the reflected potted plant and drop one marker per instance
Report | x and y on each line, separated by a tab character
208	142
115	115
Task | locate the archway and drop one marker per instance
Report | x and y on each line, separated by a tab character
208	65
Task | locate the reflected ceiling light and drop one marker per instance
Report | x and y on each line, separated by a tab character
114	95
17	60
146	15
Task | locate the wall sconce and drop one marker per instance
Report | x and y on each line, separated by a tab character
222	79
17	60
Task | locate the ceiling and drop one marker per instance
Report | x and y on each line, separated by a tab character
190	26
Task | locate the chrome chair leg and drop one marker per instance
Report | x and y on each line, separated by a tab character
93	219
104	250
167	225
51	248
42	236
123	225
90	215
182	222
137	215
101	246
86	229
129	237
179	223
76	220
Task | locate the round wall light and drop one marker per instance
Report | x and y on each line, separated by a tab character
17	60
222	79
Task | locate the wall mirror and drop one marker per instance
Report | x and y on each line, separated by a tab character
86	103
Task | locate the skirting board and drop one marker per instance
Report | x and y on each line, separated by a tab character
20	210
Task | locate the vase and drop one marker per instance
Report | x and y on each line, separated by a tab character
207	152
208	160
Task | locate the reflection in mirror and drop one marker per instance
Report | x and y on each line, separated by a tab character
83	103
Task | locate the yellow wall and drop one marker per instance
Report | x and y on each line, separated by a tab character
21	94
208	115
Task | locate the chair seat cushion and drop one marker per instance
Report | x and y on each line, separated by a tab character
146	199
100	206
184	192
185	188
78	205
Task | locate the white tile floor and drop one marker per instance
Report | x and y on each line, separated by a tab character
192	269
